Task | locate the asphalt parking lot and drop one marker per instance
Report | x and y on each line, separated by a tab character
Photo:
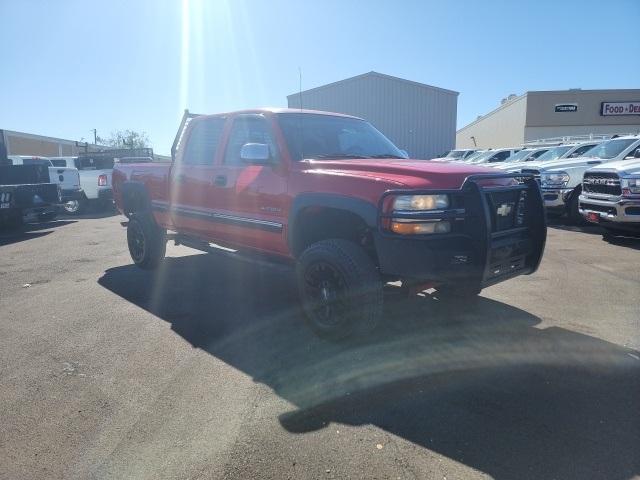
206	370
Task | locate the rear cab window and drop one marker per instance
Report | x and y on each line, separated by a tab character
94	163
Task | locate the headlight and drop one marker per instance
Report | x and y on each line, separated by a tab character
421	202
554	179
630	186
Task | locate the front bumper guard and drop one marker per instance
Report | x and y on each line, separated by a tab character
476	251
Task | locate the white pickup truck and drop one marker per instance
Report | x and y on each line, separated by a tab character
611	195
561	180
550	154
67	178
95	180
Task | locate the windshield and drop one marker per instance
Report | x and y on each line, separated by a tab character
474	156
554	153
610	149
456	154
482	157
521	155
312	136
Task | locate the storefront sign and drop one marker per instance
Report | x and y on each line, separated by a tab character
620	108
567	107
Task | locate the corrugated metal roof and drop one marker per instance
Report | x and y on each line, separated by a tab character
375	74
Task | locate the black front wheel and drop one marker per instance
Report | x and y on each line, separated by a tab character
340	289
146	240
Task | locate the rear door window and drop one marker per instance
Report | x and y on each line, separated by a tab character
203	141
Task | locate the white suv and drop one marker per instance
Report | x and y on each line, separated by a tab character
561	180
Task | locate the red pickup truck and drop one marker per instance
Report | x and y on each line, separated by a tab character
333	196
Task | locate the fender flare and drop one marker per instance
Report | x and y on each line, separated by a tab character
135	198
362	208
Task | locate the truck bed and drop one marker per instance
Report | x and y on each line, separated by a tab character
155	176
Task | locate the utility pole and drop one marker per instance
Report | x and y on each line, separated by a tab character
95	136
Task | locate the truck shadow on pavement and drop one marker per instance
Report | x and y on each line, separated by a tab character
30	231
481	385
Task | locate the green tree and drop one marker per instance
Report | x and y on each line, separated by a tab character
125	139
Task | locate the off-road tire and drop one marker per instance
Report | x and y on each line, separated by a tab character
146	240
355	284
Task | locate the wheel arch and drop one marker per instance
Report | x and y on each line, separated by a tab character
135	198
340	216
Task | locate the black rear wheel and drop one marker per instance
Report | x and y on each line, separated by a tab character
340	289
146	240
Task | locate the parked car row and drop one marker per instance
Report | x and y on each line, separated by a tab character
597	180
36	188
82	179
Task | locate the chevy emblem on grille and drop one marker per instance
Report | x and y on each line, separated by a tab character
504	210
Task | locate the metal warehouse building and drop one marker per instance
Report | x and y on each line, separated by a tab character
418	118
537	115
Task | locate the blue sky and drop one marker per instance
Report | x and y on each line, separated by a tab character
69	66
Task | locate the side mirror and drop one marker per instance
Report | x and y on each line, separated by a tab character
637	154
257	153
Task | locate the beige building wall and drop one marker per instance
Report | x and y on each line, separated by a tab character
541	108
19	143
533	116
27	146
503	127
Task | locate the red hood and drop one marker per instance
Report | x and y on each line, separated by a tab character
410	173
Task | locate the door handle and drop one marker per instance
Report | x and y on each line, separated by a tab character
220	181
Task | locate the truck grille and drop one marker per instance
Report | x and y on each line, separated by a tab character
601	182
507	208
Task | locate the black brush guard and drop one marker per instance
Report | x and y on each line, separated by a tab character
486	245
